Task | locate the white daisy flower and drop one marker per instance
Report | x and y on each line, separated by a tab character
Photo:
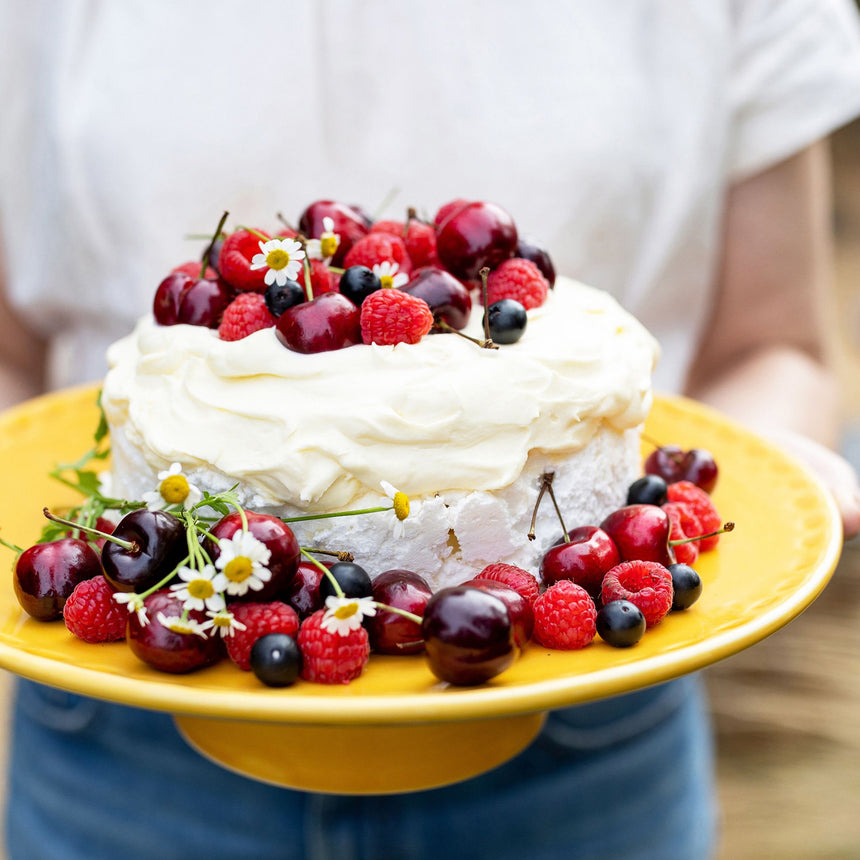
224	622
134	603
173	489
197	589
344	614
242	561
325	247
401	507
178	625
389	276
282	258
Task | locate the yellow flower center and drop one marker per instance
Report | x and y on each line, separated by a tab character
174	490
238	569
401	505
201	589
328	245
346	610
177	625
387	281
221	621
277	259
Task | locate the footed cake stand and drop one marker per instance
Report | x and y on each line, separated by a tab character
397	728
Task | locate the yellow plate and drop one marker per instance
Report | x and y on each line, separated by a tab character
781	554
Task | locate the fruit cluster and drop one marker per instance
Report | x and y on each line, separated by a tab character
340	279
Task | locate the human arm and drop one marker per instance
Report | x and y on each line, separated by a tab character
764	354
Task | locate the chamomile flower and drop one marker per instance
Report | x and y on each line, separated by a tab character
326	246
197	589
134	603
223	622
242	561
282	259
174	488
401	507
180	625
389	274
345	614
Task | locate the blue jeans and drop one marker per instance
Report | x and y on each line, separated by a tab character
628	778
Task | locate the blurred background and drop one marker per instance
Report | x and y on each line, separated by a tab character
786	711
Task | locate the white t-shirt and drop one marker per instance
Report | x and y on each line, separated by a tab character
608	130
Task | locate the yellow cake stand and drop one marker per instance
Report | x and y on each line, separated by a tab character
397	728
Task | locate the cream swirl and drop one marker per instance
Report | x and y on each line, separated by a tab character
319	432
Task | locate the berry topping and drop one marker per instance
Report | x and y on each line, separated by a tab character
358	282
379	248
330	321
182	298
419	238
448	209
647	490
258	620
514	577
192	269
507	319
520	280
331	657
620	623
328	216
391	316
531	249
646	584
480	234
391	632
353	579
565	617
520	610
683	524
447	297
686	585
276	660
235	259
699	502
246	314
92	614
279	297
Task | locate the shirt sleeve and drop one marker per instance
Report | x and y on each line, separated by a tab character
794	78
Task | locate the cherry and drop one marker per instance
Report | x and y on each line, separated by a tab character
588	554
330	321
165	649
47	573
648	490
480	234
620	623
349	225
276	536
507	319
447	297
520	610
468	635
280	297
530	249
154	544
674	464
665	461
448	209
686	585
181	298
641	532
391	633
353	579
357	283
103	525
304	591
276	660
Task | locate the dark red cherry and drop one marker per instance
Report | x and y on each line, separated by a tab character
181	298
159	544
700	467
447	297
448	209
165	649
389	632
584	559
530	249
480	234
667	462
520	610
641	532
468	635
304	591
47	573
330	321
349	225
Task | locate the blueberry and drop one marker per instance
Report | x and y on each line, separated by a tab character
278	299
357	283
620	623
648	490
276	659
353	579
508	320
687	585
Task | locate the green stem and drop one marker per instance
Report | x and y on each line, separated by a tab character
403	612
335	584
341	555
308	517
204	259
128	545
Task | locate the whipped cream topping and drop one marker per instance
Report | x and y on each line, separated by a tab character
319	432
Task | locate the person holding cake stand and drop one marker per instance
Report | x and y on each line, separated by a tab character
672	154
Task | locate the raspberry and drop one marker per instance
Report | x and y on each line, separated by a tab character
192	269
391	316
259	619
449	209
377	248
234	261
329	658
684	524
700	503
514	577
322	280
419	238
565	617
246	314
520	280
92	614
646	584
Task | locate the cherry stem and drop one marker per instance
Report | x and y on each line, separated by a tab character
486	344
128	545
485	273
726	527
254	232
340	554
335	584
204	259
548	478
405	613
411	215
307	517
543	485
280	217
678	456
386	202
